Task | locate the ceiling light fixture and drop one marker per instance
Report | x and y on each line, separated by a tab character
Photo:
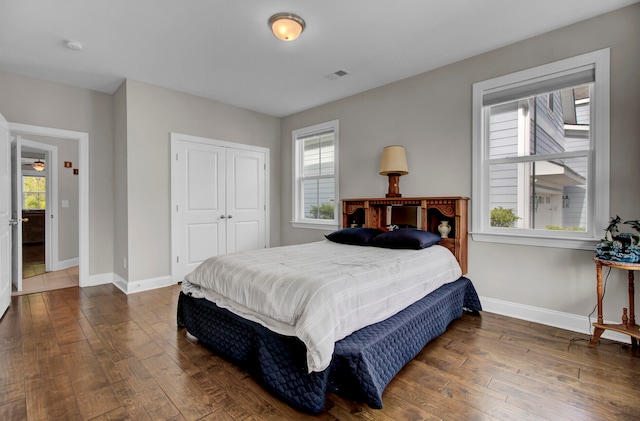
73	45
286	26
38	166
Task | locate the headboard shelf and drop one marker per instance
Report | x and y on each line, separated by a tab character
430	212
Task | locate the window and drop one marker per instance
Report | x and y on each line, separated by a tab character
541	154
315	176
34	192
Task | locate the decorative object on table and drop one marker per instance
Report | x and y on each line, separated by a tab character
394	164
619	246
444	229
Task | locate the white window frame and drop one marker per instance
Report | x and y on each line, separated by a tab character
598	175
299	220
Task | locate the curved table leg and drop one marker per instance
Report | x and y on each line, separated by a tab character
595	339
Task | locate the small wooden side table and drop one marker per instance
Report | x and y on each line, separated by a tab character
628	325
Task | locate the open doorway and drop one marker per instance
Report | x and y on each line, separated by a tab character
36	192
46	246
68	206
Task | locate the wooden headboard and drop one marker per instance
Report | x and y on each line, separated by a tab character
372	213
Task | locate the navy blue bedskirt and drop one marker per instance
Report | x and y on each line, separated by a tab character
362	365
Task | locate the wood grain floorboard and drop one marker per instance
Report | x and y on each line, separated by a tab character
14	410
94	393
59	396
131	405
96	354
147	390
35	399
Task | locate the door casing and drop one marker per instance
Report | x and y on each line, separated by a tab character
83	186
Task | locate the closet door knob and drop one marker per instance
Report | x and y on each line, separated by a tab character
230	216
222	217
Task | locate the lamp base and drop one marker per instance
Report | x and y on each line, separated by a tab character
394	185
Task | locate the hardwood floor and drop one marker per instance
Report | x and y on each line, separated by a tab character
97	354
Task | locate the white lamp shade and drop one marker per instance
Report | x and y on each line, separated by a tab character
394	160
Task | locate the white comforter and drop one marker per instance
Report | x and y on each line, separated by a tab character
321	292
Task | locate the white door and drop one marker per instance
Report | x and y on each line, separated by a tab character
198	196
5	216
544	211
218	200
245	200
16	212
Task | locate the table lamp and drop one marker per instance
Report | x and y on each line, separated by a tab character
394	164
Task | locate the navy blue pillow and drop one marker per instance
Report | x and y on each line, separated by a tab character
354	236
406	238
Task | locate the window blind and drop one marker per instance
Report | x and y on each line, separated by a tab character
537	86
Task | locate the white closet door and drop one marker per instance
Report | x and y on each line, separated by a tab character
246	205
198	190
219	200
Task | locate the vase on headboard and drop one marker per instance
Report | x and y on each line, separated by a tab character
444	229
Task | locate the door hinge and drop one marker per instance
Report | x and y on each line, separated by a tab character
177	259
177	159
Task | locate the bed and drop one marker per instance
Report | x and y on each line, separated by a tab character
342	315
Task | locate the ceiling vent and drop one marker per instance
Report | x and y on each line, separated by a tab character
337	75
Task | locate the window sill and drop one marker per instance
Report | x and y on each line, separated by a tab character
315	226
528	240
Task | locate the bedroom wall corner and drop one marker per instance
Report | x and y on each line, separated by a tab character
121	220
152	114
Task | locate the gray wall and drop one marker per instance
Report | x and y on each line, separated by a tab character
430	114
27	100
152	114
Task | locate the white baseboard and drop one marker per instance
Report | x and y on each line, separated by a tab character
143	285
120	283
99	279
66	264
129	287
567	321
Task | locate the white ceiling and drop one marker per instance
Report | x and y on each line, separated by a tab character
224	50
